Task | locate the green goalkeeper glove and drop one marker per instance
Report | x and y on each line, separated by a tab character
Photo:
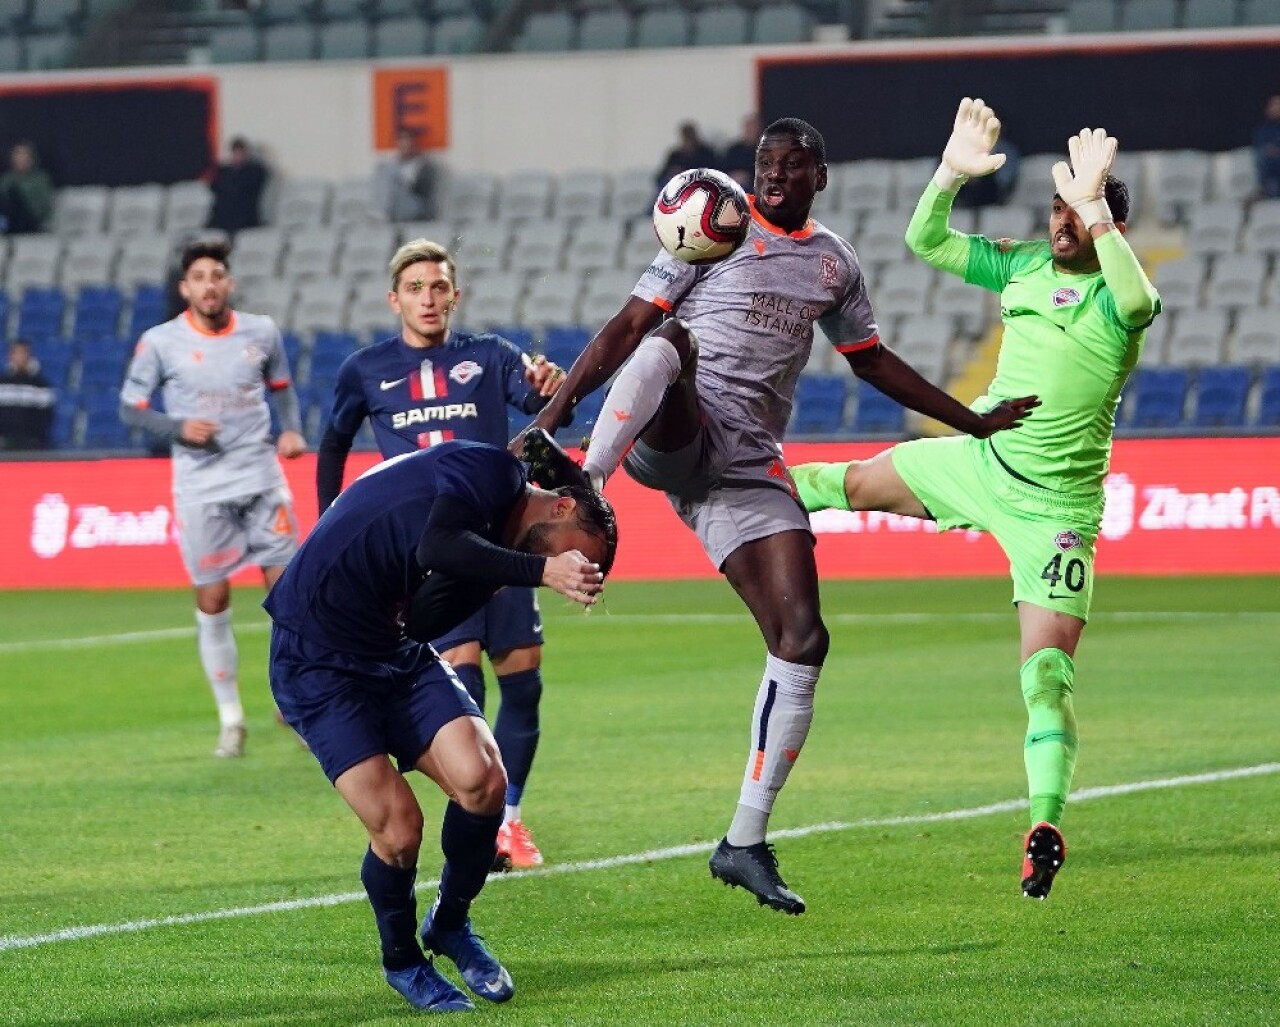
1092	154
968	152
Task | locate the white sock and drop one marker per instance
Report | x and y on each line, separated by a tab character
511	813
221	662
632	401
783	713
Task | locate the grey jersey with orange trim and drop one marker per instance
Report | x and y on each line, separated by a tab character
753	314
222	377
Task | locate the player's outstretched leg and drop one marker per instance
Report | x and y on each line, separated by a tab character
549	465
1044	853
479	967
821	486
755	867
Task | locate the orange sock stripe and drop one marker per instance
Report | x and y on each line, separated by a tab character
759	767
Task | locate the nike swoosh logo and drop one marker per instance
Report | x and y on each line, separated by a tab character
538	626
1055	596
384	386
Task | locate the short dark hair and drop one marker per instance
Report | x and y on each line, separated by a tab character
803	133
1116	194
214	249
596	518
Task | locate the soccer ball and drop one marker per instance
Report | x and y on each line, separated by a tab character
701	216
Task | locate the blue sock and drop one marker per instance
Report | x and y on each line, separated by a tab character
472	677
470	844
516	731
395	908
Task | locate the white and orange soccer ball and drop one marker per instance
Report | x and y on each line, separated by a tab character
701	216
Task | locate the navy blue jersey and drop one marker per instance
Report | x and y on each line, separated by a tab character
349	583
417	398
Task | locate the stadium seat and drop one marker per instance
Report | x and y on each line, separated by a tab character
311	252
229	44
1179	181
257	251
639	249
1214	227
903	289
539	245
89	260
1011	222
564	343
1149	15
319	308
343	40
721	25
368	310
1160	395
97	311
604	30
80	209
483	246
866	185
136	209
148	309
1092	16
581	193
270	296
1268	413
969	308
303	202
545	31
594	242
552	299
1262	229
446	233
1260	12
458	34
1220	397
876	413
1207	14
1236	281
401	37
1179	282
782	23
634	191
352	202
142	259
1197	338
923	340
41	312
187	205
366	248
1233	176
819	404
662	27
881	236
525	194
1256	339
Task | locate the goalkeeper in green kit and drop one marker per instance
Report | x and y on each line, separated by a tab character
1075	309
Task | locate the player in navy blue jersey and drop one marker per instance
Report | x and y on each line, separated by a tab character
409	549
429	384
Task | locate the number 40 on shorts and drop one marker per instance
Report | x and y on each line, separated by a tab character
1068	570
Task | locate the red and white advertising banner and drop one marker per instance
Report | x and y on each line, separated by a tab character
1174	506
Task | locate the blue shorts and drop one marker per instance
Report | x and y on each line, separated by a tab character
348	708
510	620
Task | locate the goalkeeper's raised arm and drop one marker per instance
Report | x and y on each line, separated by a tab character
966	155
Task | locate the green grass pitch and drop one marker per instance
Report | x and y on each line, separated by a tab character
143	882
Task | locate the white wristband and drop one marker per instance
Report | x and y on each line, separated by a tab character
1093	212
948	179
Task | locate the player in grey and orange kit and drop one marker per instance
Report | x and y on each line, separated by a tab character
705	399
214	367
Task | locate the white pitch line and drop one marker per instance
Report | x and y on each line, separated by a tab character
971	616
13	941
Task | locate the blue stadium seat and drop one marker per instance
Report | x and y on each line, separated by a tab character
40	313
1160	396
517	335
64	421
56	356
819	404
876	413
150	308
292	349
1221	394
97	311
1268	415
563	343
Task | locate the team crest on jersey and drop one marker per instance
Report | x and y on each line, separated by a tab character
1067	540
465	371
828	271
253	354
1066	297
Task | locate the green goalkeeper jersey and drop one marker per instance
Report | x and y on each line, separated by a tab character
1065	340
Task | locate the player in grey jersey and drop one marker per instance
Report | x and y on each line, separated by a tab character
214	367
705	399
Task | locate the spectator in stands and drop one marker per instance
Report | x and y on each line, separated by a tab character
237	188
691	152
26	401
404	185
1266	149
739	160
26	192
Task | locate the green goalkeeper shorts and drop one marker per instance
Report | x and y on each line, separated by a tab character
1049	537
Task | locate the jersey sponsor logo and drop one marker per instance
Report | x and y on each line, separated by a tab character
465	371
1067	540
1065	297
384	385
442	412
828	271
660	272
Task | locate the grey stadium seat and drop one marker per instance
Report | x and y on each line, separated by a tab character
1197	338
722	25
186	205
546	31
401	37
604	30
137	209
